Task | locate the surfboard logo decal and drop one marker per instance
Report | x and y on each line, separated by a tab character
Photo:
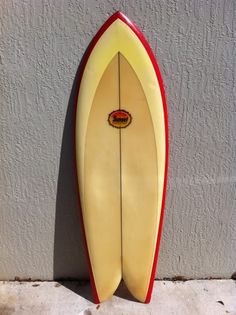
119	118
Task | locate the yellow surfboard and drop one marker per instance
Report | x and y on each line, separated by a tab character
121	156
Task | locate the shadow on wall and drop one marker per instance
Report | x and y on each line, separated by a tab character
69	255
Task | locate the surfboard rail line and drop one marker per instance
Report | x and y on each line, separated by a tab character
138	33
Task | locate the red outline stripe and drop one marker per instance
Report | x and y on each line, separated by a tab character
135	29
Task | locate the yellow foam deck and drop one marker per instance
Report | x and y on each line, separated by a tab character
120	171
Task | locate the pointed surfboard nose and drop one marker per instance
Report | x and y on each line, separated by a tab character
122	173
118	15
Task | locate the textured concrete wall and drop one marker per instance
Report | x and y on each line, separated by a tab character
41	45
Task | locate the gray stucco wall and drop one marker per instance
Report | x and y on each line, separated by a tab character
41	45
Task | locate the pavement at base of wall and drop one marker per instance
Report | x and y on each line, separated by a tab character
194	297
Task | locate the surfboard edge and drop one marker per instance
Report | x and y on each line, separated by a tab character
95	39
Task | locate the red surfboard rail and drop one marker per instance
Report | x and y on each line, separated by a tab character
138	33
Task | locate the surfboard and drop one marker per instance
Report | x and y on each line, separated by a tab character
121	157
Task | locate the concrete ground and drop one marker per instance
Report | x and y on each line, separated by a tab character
206	297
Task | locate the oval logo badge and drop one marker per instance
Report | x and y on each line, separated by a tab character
119	118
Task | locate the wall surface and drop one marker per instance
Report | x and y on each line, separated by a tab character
42	42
